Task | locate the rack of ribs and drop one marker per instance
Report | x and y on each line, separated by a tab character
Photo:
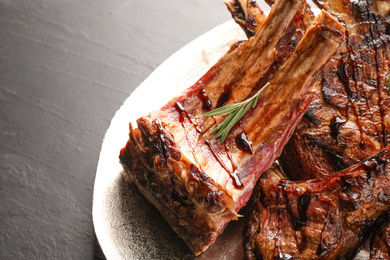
198	183
247	14
349	118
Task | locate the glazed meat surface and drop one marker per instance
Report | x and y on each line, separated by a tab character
318	219
349	119
247	14
198	183
380	241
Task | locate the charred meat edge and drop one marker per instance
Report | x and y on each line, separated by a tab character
349	119
318	219
380	241
247	14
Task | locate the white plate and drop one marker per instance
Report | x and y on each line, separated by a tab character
126	225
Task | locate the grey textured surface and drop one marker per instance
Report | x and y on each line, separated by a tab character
65	68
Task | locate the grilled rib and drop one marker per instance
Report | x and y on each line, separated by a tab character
380	242
199	184
349	120
318	219
247	14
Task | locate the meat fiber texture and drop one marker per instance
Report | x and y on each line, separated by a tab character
198	183
349	119
380	242
318	219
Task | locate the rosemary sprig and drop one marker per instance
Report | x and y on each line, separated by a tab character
388	84
235	112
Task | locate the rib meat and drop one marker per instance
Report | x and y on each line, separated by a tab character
195	181
318	219
380	242
349	120
247	14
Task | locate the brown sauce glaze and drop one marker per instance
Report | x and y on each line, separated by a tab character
342	71
335	125
375	167
230	158
284	256
180	109
219	160
303	205
183	113
236	180
233	175
244	143
224	97
322	250
342	76
377	41
346	182
206	101
349	199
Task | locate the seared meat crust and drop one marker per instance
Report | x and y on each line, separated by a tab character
318	219
380	242
349	120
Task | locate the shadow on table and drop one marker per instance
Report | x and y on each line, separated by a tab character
97	251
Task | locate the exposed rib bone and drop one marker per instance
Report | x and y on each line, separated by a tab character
247	14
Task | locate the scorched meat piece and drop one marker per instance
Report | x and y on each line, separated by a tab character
380	242
247	14
349	119
195	181
319	219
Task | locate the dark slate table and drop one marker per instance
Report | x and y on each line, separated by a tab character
65	68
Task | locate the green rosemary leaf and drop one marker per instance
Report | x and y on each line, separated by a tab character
236	117
223	123
254	103
223	110
388	84
234	114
